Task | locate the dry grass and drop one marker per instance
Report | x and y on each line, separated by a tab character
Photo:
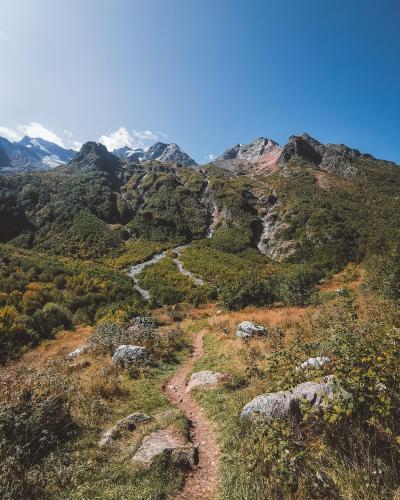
63	343
351	277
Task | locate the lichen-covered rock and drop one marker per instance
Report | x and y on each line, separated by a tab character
272	406
205	378
164	442
127	355
280	405
77	352
247	329
317	362
128	423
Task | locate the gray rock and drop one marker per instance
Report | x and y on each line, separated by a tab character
251	152
205	378
247	329
163	442
128	423
280	405
316	362
337	159
127	355
272	406
77	352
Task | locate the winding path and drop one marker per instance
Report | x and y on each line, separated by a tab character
201	483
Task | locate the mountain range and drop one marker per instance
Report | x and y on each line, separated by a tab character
305	200
31	154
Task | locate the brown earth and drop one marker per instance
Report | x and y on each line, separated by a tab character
201	483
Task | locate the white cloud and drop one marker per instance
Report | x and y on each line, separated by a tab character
10	134
75	145
132	139
3	36
209	157
35	130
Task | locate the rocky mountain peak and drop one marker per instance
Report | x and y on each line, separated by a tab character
93	155
161	151
252	152
335	158
30	154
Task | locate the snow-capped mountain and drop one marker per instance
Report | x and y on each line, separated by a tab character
31	154
135	155
159	152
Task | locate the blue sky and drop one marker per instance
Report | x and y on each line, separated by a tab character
203	73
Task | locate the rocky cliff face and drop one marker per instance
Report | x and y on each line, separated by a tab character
259	156
334	158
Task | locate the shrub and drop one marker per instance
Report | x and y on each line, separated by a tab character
245	291
297	286
57	316
383	274
107	336
30	429
12	332
348	448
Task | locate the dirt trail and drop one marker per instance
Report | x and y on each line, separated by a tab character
201	483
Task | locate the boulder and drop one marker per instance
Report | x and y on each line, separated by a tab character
316	362
164	442
205	378
280	405
77	352
128	423
127	355
247	329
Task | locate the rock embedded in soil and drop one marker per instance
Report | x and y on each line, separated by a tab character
280	405
127	355
128	423
248	329
164	442
77	352
205	378
317	362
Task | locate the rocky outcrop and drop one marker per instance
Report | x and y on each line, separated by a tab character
205	378
77	352
127	356
248	329
337	159
254	151
129	423
280	405
272	242
260	156
317	362
164	442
